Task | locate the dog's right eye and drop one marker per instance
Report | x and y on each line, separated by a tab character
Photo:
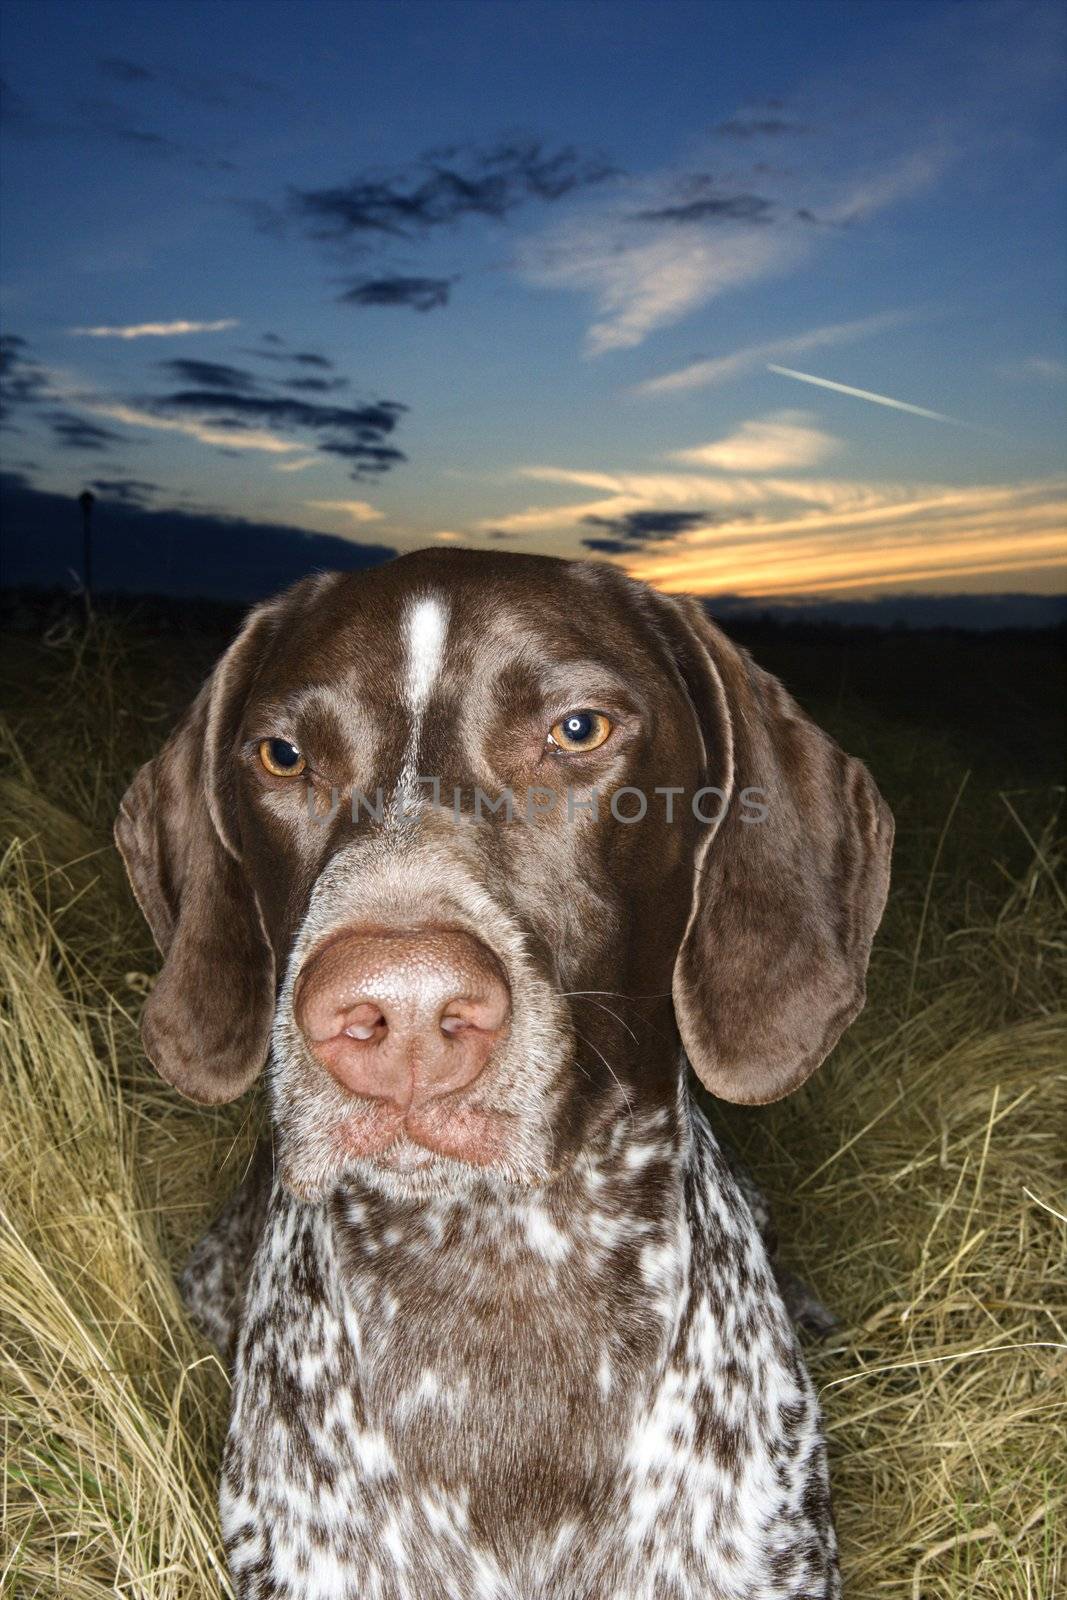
280	758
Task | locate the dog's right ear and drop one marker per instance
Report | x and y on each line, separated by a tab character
206	1024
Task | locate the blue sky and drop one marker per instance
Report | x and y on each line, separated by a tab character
517	274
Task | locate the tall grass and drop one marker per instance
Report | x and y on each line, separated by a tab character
918	1181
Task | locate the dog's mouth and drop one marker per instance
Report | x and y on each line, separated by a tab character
409	1141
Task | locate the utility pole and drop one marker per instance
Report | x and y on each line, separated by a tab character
87	500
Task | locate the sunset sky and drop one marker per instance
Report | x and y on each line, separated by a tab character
554	277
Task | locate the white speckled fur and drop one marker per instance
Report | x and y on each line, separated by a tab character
355	1469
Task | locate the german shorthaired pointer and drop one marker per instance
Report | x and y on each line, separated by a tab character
504	1326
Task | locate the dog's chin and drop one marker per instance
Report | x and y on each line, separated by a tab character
403	1170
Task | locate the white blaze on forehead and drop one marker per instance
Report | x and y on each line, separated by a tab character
425	626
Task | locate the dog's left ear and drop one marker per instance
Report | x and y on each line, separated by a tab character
789	887
206	1024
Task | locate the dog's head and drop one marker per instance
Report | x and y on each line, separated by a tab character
465	842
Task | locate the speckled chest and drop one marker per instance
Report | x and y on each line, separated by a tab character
592	1395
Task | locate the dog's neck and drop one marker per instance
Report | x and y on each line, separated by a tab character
511	1314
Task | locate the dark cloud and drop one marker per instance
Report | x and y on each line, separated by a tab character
216	89
443	188
124	71
130	491
759	128
14	108
370	459
212	374
301	358
358	433
104	117
713	208
314	385
273	338
109	121
21	381
421	294
75	433
607	547
638	527
193	553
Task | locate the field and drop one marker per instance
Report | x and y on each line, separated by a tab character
918	1181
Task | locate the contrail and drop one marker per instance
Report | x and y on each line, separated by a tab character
865	394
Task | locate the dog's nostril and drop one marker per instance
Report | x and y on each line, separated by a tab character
366	1022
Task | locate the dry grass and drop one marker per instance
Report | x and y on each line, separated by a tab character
918	1181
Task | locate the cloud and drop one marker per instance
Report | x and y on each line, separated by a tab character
710	235
909	175
221	436
155	330
702	374
444	188
315	385
22	382
905	535
358	510
216	89
74	433
212	374
130	491
301	464
357	433
165	551
759	128
640	286
104	117
421	294
784	441
124	71
1048	368
300	358
713	208
640	527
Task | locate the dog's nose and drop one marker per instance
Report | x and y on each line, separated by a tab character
403	1016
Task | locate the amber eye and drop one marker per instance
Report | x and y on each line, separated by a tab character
581	730
281	759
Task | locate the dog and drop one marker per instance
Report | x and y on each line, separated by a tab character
474	851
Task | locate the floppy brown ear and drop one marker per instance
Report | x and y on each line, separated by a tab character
773	965
206	1024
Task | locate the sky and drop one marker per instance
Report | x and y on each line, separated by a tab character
756	299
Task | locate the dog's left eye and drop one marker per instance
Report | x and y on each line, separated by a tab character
581	730
281	759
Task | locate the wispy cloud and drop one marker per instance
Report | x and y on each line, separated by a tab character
710	235
72	432
640	285
865	394
720	369
1050	369
420	294
780	536
784	441
154	330
908	537
358	510
206	433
